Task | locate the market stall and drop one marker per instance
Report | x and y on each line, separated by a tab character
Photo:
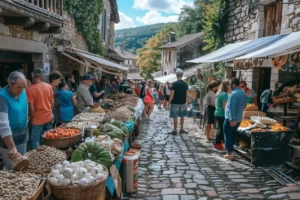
262	139
82	159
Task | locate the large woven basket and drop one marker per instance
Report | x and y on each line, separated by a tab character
62	143
93	191
38	189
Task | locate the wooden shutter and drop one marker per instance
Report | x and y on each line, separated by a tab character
104	24
273	15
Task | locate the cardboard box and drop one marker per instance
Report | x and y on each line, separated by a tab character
248	114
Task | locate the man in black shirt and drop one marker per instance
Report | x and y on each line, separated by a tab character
177	100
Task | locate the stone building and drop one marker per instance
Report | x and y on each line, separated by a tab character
176	52
130	62
254	19
25	29
39	34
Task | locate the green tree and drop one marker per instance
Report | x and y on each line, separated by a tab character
215	24
191	18
149	57
86	14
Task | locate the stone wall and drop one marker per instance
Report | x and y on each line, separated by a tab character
246	22
109	26
290	18
70	33
243	21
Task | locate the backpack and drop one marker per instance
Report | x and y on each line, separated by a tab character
142	95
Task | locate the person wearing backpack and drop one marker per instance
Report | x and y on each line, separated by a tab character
142	93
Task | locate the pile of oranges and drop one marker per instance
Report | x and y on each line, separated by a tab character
61	133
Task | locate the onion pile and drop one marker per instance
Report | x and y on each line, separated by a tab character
80	173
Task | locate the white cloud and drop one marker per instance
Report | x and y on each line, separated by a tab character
169	6
125	22
154	17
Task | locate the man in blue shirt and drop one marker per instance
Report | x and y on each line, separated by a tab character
235	106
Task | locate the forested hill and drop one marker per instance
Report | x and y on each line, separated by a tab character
135	38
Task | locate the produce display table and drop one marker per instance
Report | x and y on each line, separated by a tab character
265	148
118	164
110	182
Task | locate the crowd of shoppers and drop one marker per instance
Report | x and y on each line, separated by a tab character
42	105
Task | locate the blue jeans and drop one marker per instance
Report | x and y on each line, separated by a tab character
178	110
21	148
229	135
220	132
264	107
37	132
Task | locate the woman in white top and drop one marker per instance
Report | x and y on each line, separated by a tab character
209	107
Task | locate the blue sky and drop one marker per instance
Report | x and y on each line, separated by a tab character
145	12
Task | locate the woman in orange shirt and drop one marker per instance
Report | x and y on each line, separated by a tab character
148	100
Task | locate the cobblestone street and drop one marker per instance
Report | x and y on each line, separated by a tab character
185	167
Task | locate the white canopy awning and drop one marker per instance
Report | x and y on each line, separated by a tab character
284	46
169	78
134	76
220	52
99	60
156	74
253	46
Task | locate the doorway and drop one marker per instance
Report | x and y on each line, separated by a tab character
264	80
13	61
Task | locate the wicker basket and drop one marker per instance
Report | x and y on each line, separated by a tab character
93	191
62	143
39	187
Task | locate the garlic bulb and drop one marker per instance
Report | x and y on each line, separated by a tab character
55	173
77	173
54	180
91	179
74	177
64	182
65	164
96	170
82	172
83	181
59	167
100	177
68	172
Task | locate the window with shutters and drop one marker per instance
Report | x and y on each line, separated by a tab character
273	15
104	25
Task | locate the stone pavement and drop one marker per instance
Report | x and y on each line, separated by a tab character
185	167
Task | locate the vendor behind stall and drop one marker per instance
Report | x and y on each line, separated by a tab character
83	96
266	100
251	94
104	87
94	91
14	118
117	84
